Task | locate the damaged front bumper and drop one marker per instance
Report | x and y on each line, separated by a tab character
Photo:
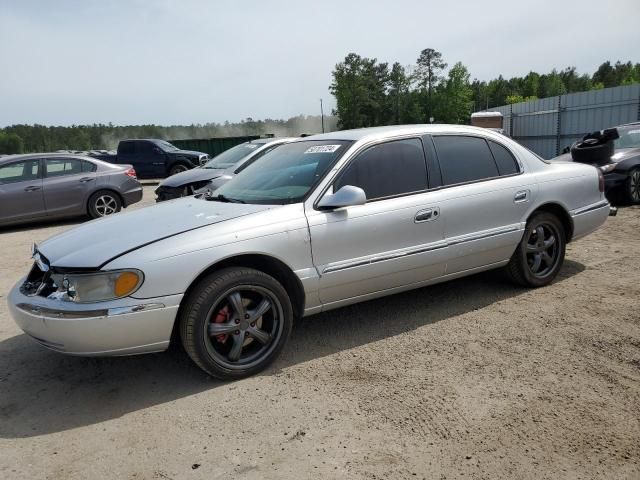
125	326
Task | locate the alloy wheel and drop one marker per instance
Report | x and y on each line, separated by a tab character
542	249
634	186
106	205
244	326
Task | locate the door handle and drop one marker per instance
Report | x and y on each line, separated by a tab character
521	196
31	188
85	179
426	215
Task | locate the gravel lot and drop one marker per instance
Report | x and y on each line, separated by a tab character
474	378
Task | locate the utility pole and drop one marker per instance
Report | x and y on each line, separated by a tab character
322	115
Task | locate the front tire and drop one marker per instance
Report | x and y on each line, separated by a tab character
178	168
104	203
540	254
236	322
632	187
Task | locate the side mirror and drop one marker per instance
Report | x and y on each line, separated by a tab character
347	196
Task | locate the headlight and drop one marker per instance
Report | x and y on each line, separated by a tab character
97	287
607	168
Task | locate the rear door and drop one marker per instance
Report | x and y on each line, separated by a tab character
21	191
486	195
67	184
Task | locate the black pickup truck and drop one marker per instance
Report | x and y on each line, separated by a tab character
155	158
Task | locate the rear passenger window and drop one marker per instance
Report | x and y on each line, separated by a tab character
464	159
89	167
388	169
57	167
507	165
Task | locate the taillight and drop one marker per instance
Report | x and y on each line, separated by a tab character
131	173
600	181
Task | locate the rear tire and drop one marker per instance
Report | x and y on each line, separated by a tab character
235	322
632	187
104	203
540	254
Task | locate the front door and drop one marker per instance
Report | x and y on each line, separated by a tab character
394	240
21	191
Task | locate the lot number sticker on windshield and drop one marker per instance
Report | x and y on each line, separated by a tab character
322	149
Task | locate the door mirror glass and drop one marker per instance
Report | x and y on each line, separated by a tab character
347	196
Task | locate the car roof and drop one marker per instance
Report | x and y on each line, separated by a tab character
374	133
27	156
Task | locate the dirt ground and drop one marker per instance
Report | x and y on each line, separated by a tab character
474	378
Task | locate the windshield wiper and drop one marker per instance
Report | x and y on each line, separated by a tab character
222	198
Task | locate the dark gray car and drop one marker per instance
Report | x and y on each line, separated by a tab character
56	185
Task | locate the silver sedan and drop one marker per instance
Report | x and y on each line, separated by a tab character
53	185
318	223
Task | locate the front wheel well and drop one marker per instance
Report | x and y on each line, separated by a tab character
266	264
184	163
560	212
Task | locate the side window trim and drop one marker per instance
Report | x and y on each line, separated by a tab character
357	155
433	165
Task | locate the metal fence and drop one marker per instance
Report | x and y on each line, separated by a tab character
548	125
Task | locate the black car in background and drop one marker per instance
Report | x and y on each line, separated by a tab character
620	165
153	158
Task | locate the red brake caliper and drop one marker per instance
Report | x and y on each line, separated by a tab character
221	317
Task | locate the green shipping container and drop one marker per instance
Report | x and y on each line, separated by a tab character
212	146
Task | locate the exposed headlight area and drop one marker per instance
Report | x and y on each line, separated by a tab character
82	287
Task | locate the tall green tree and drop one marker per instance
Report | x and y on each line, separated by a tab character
359	85
11	143
429	66
398	94
455	96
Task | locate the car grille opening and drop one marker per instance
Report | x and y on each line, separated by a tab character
38	282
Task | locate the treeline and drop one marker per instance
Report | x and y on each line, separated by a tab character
371	93
42	138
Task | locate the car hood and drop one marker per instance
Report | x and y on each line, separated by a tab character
190	176
189	153
96	243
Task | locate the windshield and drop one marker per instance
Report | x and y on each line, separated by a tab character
629	138
166	146
286	174
230	157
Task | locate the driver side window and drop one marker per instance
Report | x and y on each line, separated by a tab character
387	170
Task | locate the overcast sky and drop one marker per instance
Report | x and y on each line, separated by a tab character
194	61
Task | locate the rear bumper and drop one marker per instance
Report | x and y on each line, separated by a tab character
614	180
123	327
587	219
132	196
